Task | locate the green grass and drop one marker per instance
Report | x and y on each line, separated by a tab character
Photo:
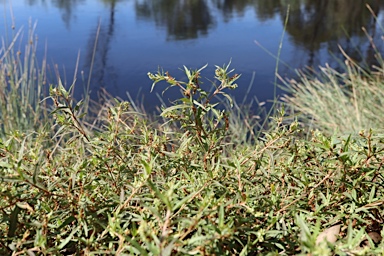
342	102
198	179
22	85
339	102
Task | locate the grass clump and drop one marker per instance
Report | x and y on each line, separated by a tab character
339	102
189	185
345	101
22	86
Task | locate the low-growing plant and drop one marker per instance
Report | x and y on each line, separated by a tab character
203	124
125	186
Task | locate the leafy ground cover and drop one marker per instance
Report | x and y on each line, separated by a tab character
184	183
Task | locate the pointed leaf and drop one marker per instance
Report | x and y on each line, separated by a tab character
68	239
13	221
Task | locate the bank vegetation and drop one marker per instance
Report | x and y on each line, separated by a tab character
203	177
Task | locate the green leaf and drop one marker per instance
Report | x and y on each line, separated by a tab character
78	105
67	221
198	239
187	71
21	150
181	202
167	251
68	238
160	195
372	194
199	104
13	221
173	108
5	165
62	90
305	232
244	251
346	145
229	98
203	67
147	168
221	216
138	247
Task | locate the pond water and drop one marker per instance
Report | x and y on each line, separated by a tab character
137	36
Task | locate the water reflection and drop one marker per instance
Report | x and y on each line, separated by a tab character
128	35
98	47
266	9
186	19
66	6
311	24
230	7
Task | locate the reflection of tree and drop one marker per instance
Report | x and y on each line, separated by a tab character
229	7
66	6
185	19
266	9
312	23
33	2
316	21
98	56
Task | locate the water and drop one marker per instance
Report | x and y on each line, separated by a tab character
137	36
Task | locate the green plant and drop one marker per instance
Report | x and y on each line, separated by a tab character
121	185
344	102
338	102
202	122
22	86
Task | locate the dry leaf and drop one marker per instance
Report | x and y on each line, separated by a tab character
376	238
25	206
329	235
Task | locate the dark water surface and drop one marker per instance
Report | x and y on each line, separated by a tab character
137	36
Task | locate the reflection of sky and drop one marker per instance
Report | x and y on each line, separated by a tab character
138	46
228	41
63	42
